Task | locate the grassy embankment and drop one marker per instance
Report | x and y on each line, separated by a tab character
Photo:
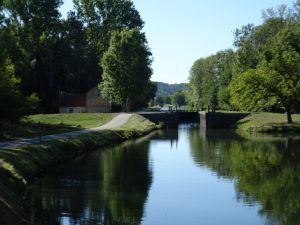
31	126
21	166
269	123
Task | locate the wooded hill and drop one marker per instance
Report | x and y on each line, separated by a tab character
164	89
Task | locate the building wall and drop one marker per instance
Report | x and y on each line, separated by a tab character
72	109
95	102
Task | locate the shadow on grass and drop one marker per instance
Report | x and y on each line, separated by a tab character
13	131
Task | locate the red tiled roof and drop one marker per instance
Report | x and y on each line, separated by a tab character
74	100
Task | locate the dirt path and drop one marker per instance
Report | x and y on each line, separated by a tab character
114	123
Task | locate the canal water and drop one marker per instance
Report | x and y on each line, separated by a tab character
185	176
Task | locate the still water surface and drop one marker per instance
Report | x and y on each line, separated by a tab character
186	176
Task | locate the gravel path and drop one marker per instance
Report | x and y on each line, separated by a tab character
114	123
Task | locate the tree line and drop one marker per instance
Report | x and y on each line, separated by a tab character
44	55
177	99
261	74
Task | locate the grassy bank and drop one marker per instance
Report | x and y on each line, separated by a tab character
269	123
21	166
31	126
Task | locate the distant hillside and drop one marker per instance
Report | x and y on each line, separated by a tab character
164	89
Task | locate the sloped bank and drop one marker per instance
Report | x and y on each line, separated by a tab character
21	166
263	122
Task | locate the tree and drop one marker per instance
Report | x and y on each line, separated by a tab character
78	75
209	79
167	100
277	78
126	68
101	18
13	104
178	98
159	100
148	97
105	16
36	49
202	83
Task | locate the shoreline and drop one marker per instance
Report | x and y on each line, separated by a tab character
268	123
21	166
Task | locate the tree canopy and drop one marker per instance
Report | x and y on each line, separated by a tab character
13	103
209	78
262	74
53	55
178	99
274	79
126	67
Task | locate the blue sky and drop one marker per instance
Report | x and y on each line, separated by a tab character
180	32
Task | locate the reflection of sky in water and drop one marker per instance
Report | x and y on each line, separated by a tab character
65	220
184	177
184	193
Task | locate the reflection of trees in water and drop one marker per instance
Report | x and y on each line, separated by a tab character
126	182
267	172
108	187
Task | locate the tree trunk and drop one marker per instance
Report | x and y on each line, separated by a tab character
124	107
128	104
289	115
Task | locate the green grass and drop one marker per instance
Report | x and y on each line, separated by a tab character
82	120
33	125
19	167
269	122
137	122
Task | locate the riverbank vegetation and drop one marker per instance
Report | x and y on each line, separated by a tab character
44	55
44	124
269	123
265	170
22	165
262	74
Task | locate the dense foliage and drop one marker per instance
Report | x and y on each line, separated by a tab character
50	54
178	98
209	79
164	89
264	171
126	67
262	74
165	92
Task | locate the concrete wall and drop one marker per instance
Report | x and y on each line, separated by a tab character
190	117
171	120
220	120
207	120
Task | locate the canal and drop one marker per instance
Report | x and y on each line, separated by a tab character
185	176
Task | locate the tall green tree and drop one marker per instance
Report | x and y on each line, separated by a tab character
101	18
13	104
35	30
178	98
159	100
126	68
276	80
209	79
271	78
78	75
105	16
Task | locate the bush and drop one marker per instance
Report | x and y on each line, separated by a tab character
13	104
